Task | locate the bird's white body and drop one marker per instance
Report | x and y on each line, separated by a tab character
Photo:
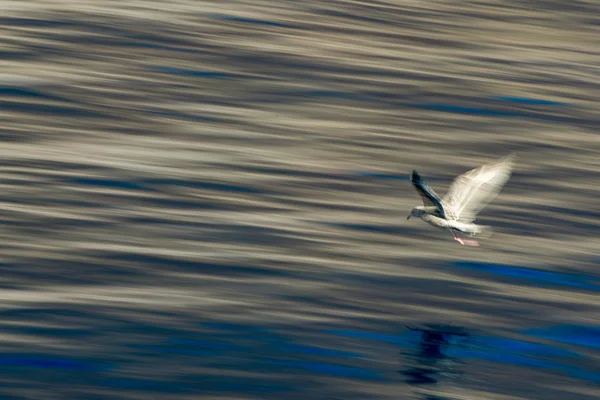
469	194
450	224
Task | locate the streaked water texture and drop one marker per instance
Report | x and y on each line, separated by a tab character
208	200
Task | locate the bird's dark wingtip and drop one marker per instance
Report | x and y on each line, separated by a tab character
414	176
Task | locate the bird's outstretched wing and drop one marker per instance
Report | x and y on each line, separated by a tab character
473	190
430	198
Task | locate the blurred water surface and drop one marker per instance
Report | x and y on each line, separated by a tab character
209	199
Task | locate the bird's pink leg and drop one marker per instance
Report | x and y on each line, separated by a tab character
459	240
464	242
467	242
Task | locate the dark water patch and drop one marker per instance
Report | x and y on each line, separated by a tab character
394	230
470	110
65	272
319	351
232	383
54	110
194	73
153	386
84	40
152	35
41	314
248	234
362	17
249	20
239	385
331	369
542	278
380	337
15	136
163	264
173	203
216	186
523	113
89	204
50	332
224	384
382	176
526	220
249	334
43	361
165	349
328	94
577	335
106	183
206	344
157	46
31	167
528	100
584	213
279	171
236	327
146	45
32	22
22	92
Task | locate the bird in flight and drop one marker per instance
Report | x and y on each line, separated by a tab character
467	196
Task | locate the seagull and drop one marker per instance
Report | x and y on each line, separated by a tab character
467	196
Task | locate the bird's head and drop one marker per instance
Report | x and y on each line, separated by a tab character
416	212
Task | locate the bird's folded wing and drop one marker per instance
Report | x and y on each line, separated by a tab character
430	198
473	190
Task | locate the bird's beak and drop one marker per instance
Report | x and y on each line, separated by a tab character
409	215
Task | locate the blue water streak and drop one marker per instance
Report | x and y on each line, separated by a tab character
330	369
210	344
381	176
190	72
470	110
539	276
319	351
367	335
39	361
527	100
249	20
578	335
108	183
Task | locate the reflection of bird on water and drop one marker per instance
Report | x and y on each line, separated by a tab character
431	344
430	359
468	195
